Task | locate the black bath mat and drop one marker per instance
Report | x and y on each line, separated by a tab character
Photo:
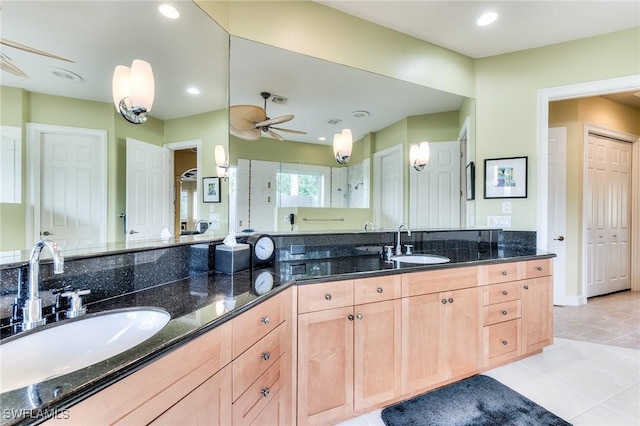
478	400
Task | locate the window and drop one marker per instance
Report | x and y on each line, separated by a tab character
296	189
184	206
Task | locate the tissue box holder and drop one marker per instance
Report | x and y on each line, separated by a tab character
230	259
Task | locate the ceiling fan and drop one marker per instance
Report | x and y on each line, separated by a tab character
250	122
7	65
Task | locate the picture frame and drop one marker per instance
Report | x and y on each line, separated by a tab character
505	177
210	189
471	181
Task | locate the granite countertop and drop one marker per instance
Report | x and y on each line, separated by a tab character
201	302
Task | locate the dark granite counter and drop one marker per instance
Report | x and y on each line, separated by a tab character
203	301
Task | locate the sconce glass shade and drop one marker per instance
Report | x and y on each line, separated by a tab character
222	172
419	155
342	146
221	157
133	90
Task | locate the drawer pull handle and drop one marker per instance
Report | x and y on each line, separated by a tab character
505	292
504	342
266	356
444	301
504	273
359	316
504	312
539	268
526	287
265	320
450	300
350	317
380	290
265	392
327	296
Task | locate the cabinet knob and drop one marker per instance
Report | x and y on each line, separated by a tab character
265	320
350	317
505	292
450	300
327	296
539	268
504	273
444	301
265	392
380	290
504	312
526	287
266	356
359	315
504	342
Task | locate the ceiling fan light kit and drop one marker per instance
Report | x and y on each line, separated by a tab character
133	90
342	146
250	122
419	155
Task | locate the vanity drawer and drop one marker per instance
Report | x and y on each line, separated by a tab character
251	364
254	324
377	289
502	272
502	340
439	280
502	312
318	297
538	268
499	293
262	392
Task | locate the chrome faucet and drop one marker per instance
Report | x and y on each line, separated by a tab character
365	226
32	311
398	247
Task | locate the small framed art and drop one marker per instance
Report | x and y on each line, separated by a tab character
505	177
211	190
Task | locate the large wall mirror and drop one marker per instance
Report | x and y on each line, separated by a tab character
385	115
70	160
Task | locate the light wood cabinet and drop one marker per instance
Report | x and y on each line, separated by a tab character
537	314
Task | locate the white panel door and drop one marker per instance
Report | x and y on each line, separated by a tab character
607	215
557	210
262	201
435	191
388	197
149	202
72	186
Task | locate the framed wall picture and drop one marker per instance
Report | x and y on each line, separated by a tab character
471	181
505	177
211	190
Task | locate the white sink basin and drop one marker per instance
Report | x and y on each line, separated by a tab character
422	259
67	346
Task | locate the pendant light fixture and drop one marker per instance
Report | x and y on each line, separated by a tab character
133	90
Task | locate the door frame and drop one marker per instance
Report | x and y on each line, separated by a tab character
33	175
377	180
177	146
546	95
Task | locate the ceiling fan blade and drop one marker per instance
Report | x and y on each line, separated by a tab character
32	50
276	120
273	135
298	132
249	135
245	117
7	66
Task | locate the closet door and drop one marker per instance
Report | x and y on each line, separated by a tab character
608	215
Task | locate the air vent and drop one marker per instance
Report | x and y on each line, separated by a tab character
333	120
360	114
281	100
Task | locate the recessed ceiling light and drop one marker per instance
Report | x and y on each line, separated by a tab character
169	11
322	138
193	90
487	18
64	74
360	114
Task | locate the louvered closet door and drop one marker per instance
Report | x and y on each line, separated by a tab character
608	215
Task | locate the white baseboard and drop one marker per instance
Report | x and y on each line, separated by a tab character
575	300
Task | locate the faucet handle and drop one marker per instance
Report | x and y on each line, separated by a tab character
408	248
76	308
389	253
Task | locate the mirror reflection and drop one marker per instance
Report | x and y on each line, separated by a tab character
80	173
317	100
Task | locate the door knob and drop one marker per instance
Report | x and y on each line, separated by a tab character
47	233
133	232
560	238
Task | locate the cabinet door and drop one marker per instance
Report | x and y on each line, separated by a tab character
325	365
422	348
464	331
208	404
537	314
377	352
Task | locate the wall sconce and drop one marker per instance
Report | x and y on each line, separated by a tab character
342	145
222	162
133	90
419	155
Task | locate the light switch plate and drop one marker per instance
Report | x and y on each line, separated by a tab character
506	207
499	221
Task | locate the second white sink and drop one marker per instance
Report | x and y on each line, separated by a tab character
422	259
68	346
